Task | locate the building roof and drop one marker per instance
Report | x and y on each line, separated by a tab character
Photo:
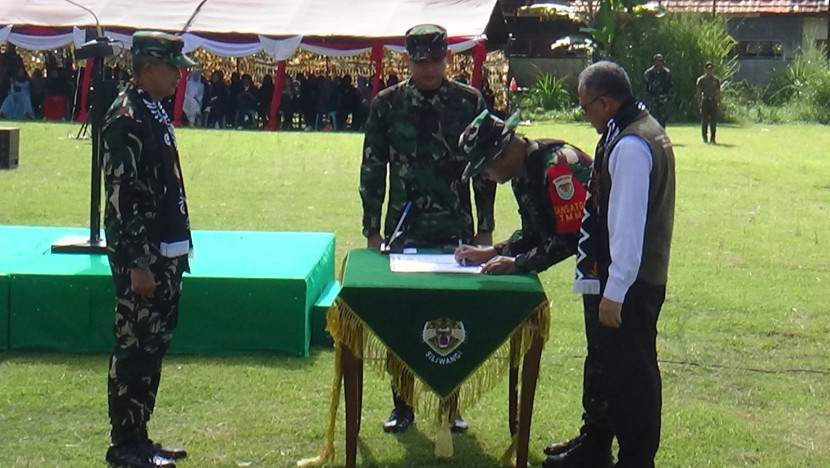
723	7
743	7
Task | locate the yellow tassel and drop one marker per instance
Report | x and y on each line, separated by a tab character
443	440
507	458
327	452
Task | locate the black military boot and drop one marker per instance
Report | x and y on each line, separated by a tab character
555	448
135	455
591	449
401	418
171	453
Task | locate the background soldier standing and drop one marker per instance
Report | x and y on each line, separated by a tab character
708	101
658	86
412	131
148	242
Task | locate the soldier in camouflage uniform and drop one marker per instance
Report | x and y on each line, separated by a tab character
548	178
658	86
412	133
148	242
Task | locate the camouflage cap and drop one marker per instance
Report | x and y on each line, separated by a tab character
163	46
426	41
484	139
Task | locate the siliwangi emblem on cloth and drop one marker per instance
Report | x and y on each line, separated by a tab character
444	335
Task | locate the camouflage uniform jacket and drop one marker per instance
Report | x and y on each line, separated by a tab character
145	205
415	135
539	244
658	83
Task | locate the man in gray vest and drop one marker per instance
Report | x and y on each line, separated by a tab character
622	267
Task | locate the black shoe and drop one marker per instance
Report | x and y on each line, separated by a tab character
581	455
705	140
399	420
135	456
555	448
171	453
460	425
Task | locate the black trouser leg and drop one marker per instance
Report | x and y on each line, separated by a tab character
713	125
632	377
594	402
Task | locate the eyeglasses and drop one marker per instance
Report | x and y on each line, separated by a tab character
586	106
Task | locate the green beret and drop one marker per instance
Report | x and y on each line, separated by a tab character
484	139
163	46
426	41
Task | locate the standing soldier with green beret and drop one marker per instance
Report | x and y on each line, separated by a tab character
549	179
412	134
148	244
658	86
708	102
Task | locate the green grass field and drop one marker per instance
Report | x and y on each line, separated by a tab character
743	333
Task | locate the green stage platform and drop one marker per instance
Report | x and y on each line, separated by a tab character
249	293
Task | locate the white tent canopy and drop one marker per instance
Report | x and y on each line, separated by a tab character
244	27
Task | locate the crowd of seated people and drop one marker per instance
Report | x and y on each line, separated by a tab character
308	102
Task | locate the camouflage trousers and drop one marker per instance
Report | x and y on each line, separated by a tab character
143	329
658	108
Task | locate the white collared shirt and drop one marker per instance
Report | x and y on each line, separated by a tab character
629	166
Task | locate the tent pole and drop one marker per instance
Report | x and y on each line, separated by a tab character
276	98
479	56
177	106
377	59
85	90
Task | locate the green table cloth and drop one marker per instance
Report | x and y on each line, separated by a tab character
441	326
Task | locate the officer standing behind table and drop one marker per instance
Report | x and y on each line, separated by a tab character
148	243
549	179
658	86
412	134
708	102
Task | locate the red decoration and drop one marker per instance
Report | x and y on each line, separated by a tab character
87	79
276	99
567	196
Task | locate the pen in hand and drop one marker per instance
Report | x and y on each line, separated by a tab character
463	259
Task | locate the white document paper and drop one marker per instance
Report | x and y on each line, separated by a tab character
428	263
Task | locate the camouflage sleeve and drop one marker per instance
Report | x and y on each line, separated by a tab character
550	251
122	146
537	252
520	242
484	190
373	168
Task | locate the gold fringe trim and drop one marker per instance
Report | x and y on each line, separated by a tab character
347	328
